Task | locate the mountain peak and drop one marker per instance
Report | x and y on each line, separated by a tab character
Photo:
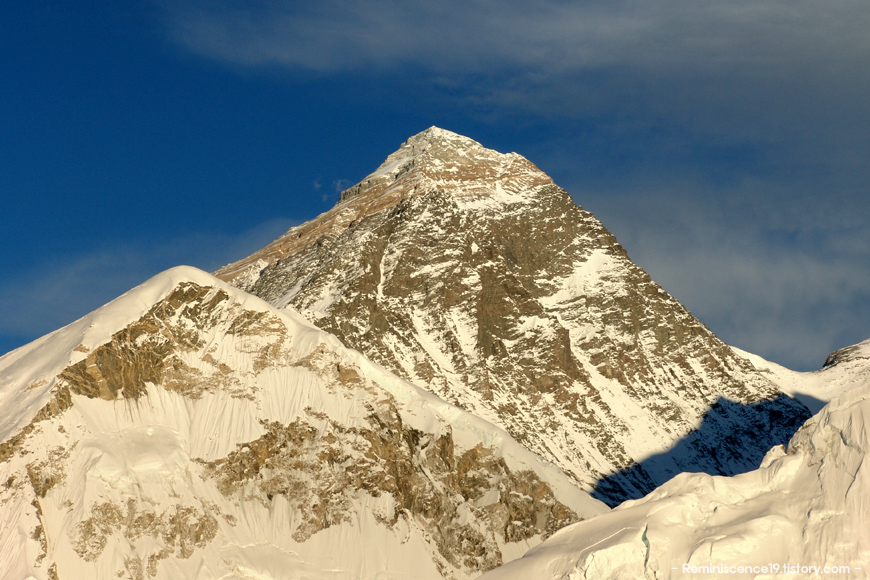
434	160
849	354
438	140
437	158
437	135
432	145
189	429
470	273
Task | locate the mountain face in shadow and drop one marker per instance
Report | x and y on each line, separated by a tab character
733	438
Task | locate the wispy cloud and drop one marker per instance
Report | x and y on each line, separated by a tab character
340	34
779	71
792	294
58	292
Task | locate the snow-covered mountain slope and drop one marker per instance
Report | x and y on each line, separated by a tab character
843	370
468	272
190	430
805	507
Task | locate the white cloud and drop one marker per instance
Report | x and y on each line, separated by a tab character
333	35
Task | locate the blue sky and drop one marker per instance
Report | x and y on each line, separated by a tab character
725	144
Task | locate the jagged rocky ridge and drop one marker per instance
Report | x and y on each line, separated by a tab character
190	430
470	273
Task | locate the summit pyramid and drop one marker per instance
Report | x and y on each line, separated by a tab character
471	274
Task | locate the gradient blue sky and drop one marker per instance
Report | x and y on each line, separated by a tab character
725	144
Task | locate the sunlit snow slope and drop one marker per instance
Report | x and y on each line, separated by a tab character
190	430
806	507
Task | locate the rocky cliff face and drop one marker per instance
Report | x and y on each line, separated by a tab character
189	430
468	272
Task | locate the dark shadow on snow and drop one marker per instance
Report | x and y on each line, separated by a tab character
732	438
813	404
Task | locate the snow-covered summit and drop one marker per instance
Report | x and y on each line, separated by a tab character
433	146
436	158
36	365
850	355
433	140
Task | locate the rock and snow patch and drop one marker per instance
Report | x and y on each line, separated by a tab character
191	430
806	506
35	365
